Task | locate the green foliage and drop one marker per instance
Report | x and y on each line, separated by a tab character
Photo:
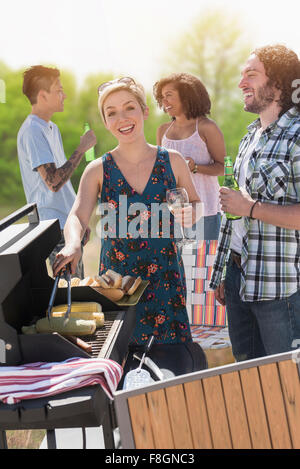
155	119
234	125
214	49
12	114
80	107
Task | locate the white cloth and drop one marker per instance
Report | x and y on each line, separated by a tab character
40	379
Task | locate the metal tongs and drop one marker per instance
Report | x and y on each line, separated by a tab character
54	291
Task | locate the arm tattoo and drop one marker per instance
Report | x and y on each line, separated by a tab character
55	178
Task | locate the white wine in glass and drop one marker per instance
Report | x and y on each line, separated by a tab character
178	198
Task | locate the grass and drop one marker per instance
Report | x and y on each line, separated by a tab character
24	439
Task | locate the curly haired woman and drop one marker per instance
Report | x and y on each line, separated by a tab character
196	137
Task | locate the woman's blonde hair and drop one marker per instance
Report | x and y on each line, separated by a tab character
126	84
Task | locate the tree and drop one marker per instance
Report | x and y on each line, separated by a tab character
215	49
12	114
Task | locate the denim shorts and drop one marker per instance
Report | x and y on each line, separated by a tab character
260	328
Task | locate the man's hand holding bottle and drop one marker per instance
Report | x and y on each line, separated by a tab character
237	203
87	141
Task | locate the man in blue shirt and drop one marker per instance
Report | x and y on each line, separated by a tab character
44	168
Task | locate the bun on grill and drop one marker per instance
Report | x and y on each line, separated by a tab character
110	279
114	286
99	281
62	283
130	284
86	281
114	277
127	283
134	287
75	281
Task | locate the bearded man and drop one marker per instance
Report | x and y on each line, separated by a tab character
261	251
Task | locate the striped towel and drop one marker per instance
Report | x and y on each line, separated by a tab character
205	308
40	379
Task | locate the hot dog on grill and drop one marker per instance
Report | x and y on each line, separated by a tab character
80	343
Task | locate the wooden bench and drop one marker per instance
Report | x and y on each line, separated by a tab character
253	404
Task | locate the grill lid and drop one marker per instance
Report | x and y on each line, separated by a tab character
24	249
25	286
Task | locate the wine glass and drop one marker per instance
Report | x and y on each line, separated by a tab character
178	198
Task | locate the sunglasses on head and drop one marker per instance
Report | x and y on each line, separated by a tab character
126	80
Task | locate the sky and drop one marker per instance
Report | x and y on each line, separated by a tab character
126	38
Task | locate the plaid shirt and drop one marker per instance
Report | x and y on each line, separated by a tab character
270	257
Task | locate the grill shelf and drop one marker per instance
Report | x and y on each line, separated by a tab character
101	339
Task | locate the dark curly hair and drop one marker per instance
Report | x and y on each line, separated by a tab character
282	67
192	93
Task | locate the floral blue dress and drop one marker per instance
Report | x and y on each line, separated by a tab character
152	255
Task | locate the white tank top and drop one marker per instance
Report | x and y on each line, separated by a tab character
206	186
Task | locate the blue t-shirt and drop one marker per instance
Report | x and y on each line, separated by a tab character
40	142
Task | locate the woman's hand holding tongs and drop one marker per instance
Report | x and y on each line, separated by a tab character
68	255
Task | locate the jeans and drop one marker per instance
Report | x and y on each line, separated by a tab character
212	225
260	328
207	228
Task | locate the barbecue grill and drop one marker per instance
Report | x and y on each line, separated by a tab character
25	289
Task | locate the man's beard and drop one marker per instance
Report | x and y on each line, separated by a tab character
265	97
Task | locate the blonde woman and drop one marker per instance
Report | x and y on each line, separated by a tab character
136	174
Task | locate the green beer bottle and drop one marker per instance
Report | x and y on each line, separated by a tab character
89	154
229	181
